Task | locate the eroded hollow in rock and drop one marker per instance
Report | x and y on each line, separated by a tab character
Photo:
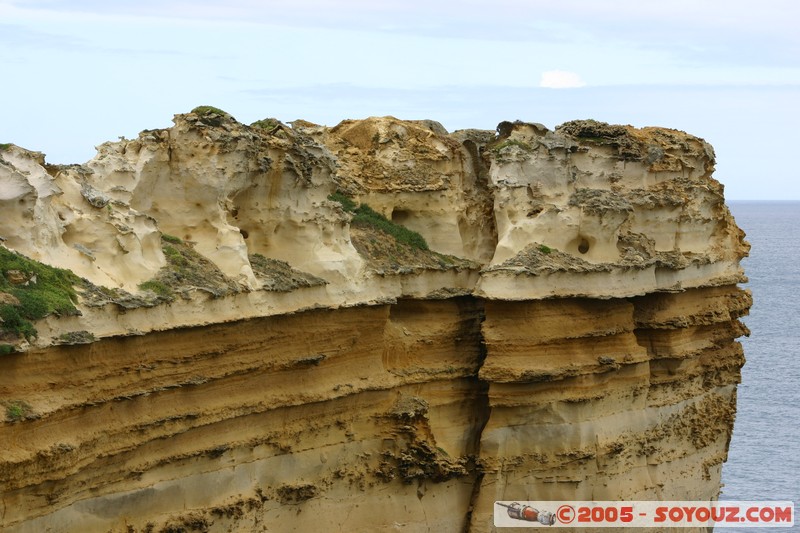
400	216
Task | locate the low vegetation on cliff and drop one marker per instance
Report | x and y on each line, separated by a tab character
207	110
390	248
279	276
268	124
364	215
187	271
30	290
17	410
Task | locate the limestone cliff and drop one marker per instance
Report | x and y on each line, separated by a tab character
375	326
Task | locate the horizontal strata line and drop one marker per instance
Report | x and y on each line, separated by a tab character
97	467
160	424
194	419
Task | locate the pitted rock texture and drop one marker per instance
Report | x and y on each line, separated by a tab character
260	339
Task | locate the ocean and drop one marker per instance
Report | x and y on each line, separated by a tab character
765	448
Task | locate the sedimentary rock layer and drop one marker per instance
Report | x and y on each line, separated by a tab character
376	326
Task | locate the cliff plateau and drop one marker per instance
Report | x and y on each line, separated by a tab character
375	326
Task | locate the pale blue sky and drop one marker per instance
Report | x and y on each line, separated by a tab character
78	73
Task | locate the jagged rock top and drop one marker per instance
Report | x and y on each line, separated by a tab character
518	213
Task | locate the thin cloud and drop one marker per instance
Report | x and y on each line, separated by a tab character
684	32
18	36
561	79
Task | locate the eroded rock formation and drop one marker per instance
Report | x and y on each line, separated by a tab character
260	341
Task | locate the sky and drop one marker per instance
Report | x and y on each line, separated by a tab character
78	73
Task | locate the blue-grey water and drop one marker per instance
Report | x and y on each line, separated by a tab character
765	448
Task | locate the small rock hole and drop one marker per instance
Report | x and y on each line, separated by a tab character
583	247
400	216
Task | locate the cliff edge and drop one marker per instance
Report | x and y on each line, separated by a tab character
222	327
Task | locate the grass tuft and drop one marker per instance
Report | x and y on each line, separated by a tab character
17	410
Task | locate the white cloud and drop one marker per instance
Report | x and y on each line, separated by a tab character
561	79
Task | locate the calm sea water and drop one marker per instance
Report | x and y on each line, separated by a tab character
765	448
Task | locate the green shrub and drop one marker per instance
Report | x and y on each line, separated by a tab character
15	323
50	290
6	349
208	109
545	249
5	146
34	304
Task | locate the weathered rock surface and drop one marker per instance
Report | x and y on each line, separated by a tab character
254	351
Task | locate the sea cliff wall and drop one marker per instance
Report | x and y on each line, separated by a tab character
381	323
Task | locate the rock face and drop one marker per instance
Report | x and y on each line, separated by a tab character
260	338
